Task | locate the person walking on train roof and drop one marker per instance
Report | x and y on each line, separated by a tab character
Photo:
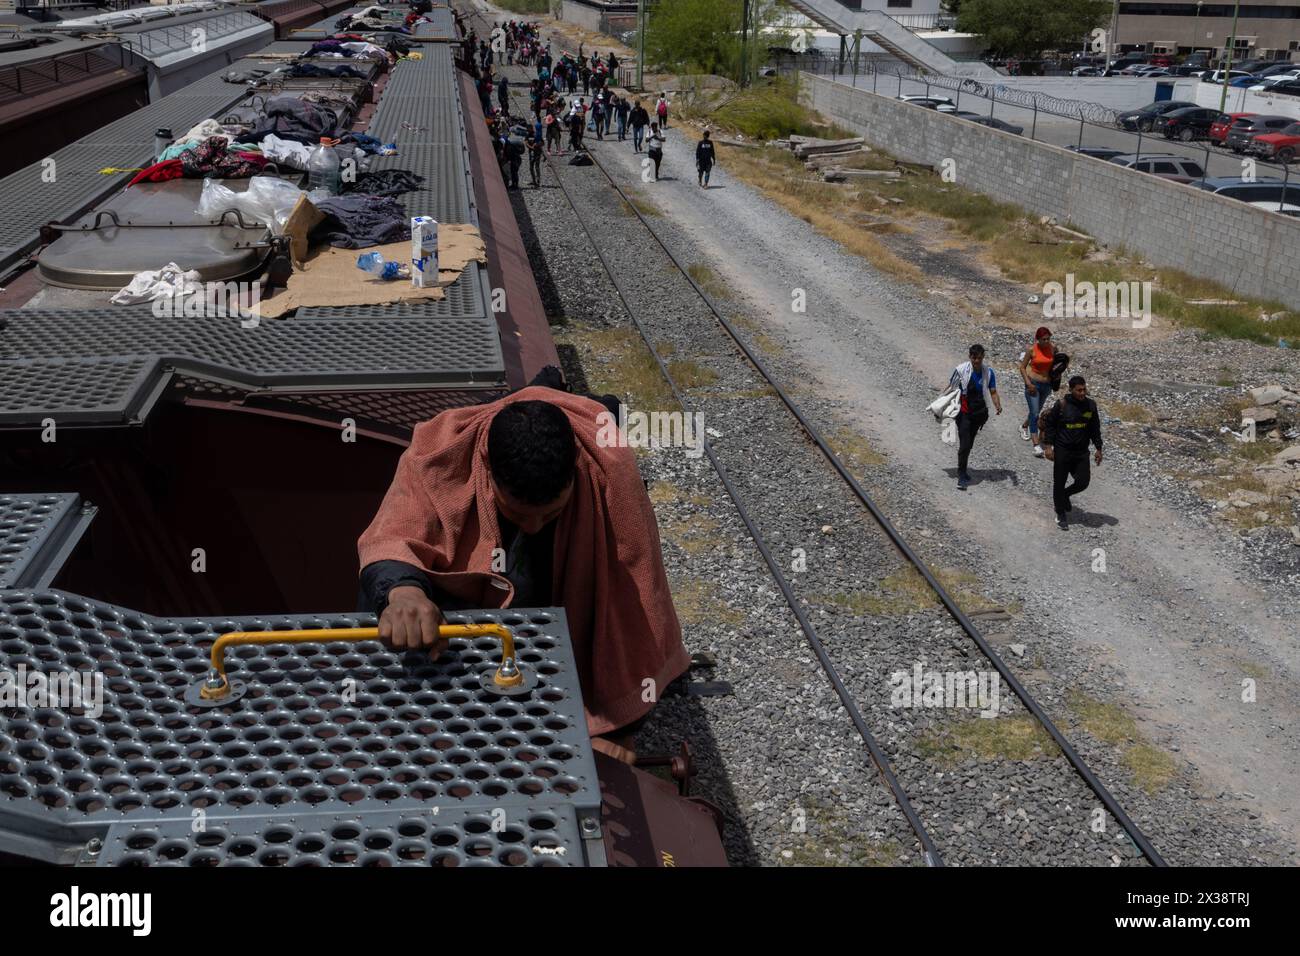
1067	428
978	385
523	502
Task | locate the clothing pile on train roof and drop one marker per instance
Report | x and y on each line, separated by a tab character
344	48
213	157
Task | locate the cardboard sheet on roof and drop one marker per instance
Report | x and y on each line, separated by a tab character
331	276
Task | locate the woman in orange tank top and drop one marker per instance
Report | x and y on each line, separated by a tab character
1036	370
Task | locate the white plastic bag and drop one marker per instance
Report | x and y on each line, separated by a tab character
169	282
267	200
946	405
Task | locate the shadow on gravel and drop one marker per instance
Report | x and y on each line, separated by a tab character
1091	519
681	717
541	271
980	475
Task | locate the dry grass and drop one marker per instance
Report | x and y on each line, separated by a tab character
693	535
708	280
688	374
1130	412
1020	738
827	208
617	361
846	443
906	592
700	602
667	493
1152	768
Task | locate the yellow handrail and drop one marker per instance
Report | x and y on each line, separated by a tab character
217	685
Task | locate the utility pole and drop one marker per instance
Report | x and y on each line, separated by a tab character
744	44
1110	37
640	45
1232	45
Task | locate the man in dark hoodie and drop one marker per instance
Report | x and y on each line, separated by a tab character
640	120
1067	428
704	159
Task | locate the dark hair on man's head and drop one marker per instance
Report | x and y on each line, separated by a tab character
976	350
531	451
1077	380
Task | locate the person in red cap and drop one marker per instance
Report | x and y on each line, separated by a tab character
1036	370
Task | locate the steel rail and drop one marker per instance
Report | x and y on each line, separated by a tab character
1107	798
931	852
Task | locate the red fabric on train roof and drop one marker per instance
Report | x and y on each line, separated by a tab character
440	514
158	173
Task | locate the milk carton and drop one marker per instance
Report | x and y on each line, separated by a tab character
424	251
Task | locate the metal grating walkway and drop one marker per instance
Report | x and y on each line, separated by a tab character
36	533
106	366
336	751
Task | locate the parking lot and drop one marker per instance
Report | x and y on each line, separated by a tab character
1060	130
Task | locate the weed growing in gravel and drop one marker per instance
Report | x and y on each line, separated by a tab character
617	361
694	534
688	374
1151	767
708	280
1129	411
666	493
846	443
700	602
1020	737
830	829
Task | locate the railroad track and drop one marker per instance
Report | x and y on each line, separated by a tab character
801	606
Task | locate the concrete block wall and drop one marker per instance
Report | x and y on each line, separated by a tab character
1249	250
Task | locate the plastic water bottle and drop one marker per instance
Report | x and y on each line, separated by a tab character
323	169
374	263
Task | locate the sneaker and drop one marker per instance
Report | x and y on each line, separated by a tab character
1038	451
1062	522
1024	432
962	482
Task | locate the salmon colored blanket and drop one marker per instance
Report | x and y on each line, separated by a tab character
440	514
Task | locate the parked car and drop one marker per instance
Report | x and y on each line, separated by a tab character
1152	74
1289	87
1085	71
990	121
1137	69
1096	152
1241	82
1268	82
1277	69
1220	127
1217	76
1283	145
940	103
1187	124
1145	117
1165	165
1285	208
1263	189
1240	135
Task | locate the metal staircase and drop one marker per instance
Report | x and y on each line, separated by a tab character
844	17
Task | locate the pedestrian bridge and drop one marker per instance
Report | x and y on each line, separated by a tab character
847	19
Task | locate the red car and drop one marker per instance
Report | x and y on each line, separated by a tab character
1282	146
1219	128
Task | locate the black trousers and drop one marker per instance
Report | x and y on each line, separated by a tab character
1063	468
968	426
657	158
